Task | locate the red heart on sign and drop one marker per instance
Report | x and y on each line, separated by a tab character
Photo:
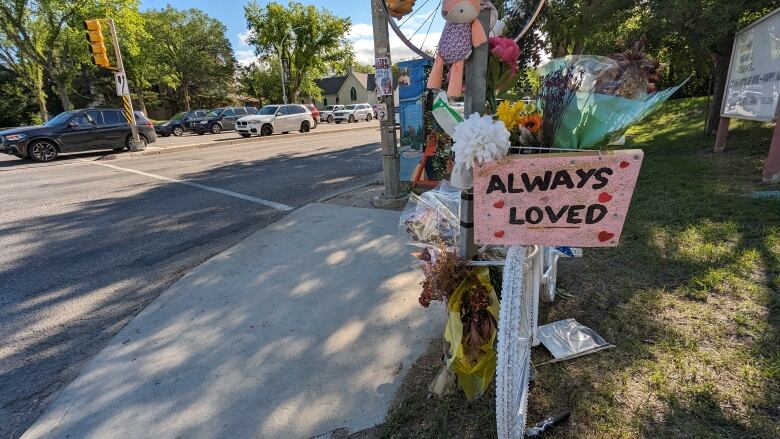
499	234
499	204
605	236
624	165
605	197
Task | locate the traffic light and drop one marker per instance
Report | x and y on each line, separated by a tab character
97	45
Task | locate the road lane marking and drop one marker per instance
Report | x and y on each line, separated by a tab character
272	204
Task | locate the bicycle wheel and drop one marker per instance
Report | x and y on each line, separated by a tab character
419	22
515	331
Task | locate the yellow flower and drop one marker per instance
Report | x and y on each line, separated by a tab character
509	112
507	115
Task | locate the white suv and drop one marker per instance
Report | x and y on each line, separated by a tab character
354	113
276	119
326	114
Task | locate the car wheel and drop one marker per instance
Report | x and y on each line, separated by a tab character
369	117
216	129
178	131
305	127
330	119
246	135
266	130
129	139
351	118
42	151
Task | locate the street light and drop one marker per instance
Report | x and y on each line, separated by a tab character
281	62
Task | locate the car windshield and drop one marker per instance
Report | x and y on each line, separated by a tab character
215	113
60	119
179	116
329	108
268	110
350	107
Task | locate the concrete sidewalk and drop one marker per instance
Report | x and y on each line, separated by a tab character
305	327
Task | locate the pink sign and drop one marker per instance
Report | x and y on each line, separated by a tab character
571	199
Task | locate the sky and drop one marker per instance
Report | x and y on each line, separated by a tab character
231	13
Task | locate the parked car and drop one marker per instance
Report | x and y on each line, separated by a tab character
276	119
326	115
178	123
315	114
219	119
354	113
73	131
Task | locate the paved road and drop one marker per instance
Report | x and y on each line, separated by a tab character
190	138
87	243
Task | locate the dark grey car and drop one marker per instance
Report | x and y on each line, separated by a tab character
219	119
74	131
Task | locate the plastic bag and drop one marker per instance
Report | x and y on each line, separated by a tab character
474	371
433	217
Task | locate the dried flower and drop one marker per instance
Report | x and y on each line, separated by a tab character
443	273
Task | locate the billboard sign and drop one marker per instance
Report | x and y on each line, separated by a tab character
753	84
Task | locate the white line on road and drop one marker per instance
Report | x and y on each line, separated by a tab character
277	206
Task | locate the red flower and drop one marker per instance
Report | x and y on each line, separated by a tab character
506	50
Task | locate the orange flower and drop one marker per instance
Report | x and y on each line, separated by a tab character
532	122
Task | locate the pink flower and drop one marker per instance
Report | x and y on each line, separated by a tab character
506	50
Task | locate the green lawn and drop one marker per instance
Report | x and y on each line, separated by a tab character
690	298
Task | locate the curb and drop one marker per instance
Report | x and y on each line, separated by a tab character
374	180
238	141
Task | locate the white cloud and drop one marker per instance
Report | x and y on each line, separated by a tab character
361	30
246	57
243	37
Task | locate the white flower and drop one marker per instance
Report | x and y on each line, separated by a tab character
479	138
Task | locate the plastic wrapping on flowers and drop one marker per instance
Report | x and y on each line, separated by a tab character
471	333
608	95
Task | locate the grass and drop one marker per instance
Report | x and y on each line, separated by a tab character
691	299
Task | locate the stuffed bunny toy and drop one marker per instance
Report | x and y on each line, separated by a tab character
461	33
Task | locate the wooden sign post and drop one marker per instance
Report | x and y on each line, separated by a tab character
569	199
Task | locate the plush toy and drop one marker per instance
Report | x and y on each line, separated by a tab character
399	8
461	32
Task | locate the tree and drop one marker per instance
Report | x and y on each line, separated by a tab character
193	52
311	39
27	73
699	37
17	107
261	80
49	33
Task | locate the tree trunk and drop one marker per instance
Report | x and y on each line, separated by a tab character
141	103
62	91
720	73
41	96
186	94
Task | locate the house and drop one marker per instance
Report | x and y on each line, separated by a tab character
352	88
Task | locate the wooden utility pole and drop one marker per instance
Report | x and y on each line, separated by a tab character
391	164
476	96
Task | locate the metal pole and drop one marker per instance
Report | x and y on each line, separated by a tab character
771	173
391	166
476	96
135	144
284	92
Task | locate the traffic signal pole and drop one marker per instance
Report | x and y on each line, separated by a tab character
135	144
97	48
